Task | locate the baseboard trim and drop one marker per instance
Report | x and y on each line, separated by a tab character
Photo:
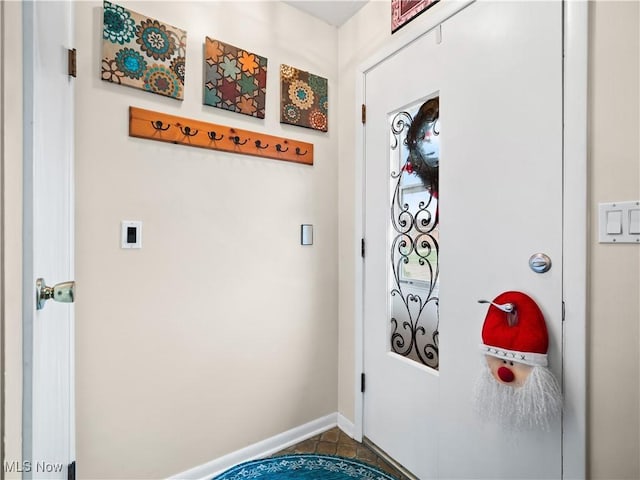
265	448
345	425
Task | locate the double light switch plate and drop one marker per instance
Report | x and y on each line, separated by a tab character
619	222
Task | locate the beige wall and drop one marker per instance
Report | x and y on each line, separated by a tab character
359	38
614	282
222	330
11	203
195	346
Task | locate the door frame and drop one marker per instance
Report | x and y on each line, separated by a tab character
29	194
574	229
11	93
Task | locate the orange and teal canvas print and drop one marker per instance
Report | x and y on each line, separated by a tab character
303	99
234	79
142	52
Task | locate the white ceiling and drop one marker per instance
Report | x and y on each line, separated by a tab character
333	12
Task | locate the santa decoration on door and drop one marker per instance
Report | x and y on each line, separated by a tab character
516	389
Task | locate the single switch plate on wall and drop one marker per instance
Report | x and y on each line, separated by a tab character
619	222
306	234
131	234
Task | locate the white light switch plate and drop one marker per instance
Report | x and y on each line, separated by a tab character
617	222
131	234
306	234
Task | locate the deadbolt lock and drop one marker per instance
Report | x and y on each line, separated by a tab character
540	263
62	292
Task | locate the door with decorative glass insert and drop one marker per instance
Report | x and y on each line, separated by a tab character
463	183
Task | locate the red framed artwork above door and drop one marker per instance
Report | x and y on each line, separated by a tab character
403	11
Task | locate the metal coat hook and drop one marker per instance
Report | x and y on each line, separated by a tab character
187	132
236	140
158	125
192	132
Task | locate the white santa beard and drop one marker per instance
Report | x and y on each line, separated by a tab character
536	404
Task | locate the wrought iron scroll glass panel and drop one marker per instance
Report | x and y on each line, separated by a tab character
414	288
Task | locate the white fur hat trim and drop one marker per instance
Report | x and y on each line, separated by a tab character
528	358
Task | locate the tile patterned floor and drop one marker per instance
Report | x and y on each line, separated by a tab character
336	442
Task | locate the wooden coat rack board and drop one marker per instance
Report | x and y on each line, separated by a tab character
194	133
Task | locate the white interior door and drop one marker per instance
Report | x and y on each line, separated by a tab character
48	406
497	72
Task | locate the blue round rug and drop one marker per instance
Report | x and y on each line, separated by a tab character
316	467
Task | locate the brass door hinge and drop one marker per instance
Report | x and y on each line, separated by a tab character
72	62
364	113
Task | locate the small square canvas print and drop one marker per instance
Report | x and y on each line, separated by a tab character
303	99
142	52
234	79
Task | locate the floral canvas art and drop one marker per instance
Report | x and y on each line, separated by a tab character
303	99
142	52
234	79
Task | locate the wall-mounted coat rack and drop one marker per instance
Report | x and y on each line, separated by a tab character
184	131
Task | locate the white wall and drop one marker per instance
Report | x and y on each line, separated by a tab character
11	204
222	330
359	38
614	284
166	383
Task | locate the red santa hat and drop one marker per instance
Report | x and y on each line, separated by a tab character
520	336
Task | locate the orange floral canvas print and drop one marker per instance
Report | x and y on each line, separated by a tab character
234	79
142	52
303	99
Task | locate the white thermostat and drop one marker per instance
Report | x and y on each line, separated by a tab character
131	234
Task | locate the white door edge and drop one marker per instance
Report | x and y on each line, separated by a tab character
574	225
28	288
574	282
72	265
28	264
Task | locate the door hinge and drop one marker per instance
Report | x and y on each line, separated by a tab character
72	62
71	471
362	247
364	113
563	311
362	382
